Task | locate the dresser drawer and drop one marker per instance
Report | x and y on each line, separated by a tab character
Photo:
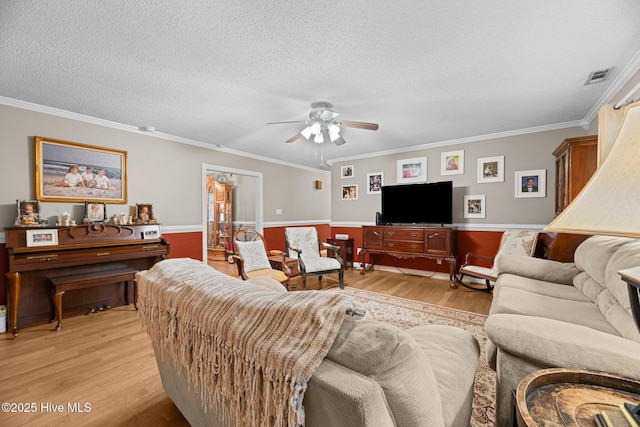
409	234
404	246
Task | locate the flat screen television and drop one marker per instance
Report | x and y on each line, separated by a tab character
430	203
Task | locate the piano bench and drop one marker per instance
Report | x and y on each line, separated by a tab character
59	285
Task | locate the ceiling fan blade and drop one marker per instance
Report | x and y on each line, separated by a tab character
294	137
279	123
339	141
360	125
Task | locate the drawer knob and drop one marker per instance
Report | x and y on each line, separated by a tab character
391	245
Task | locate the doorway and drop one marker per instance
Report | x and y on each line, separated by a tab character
245	204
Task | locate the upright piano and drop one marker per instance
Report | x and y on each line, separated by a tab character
88	250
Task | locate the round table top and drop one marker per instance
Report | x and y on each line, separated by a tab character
571	397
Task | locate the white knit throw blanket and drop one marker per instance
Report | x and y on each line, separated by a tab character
247	350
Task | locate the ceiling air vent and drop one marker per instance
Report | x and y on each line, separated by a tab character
597	76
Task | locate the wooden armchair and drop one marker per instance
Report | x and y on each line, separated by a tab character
513	242
303	243
250	254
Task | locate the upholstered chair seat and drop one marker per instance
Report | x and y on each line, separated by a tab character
303	243
252	259
513	242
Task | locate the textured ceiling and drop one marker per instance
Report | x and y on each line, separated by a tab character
217	72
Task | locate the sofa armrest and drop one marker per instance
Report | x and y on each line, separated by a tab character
340	397
538	268
552	343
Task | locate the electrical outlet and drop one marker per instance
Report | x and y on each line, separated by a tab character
278	211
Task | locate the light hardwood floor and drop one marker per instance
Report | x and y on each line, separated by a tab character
106	360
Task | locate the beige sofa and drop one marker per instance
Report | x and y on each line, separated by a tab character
374	374
547	314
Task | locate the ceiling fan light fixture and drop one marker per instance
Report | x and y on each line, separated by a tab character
306	132
316	128
319	139
334	131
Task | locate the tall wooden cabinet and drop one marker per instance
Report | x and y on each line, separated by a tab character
220	221
576	161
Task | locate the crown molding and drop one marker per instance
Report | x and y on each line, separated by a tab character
10	102
467	140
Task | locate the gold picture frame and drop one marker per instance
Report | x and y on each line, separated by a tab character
73	172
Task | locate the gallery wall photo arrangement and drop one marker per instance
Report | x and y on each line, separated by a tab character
375	181
412	170
475	206
73	172
491	169
452	163
531	183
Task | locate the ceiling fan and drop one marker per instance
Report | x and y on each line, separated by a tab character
323	125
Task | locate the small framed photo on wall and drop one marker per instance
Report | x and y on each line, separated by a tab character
531	183
452	163
347	171
375	182
412	170
475	206
491	169
349	192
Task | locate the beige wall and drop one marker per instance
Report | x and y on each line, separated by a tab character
523	152
165	173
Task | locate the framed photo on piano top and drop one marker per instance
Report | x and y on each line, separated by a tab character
95	212
73	172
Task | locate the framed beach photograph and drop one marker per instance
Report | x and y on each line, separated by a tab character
491	169
347	171
72	172
42	237
412	170
531	183
452	163
349	192
95	211
27	213
475	206
375	181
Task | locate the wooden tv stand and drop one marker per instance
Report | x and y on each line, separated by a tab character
410	241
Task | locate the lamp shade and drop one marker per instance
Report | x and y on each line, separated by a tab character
610	202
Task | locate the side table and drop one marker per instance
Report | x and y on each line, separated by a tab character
292	263
346	249
571	397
